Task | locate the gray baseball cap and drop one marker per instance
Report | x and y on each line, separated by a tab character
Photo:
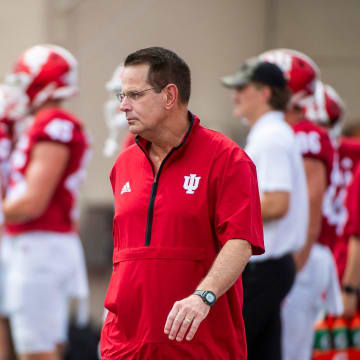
255	70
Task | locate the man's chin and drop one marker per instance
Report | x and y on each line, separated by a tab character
244	121
134	129
238	113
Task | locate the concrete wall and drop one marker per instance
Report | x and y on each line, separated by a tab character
21	25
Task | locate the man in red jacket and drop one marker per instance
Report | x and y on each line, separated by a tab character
187	219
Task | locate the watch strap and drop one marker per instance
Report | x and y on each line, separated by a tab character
203	293
348	289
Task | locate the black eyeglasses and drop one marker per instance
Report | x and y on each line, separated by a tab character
132	95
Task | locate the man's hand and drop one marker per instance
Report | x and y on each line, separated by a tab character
350	304
224	272
189	312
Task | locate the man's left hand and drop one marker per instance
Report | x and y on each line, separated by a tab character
189	312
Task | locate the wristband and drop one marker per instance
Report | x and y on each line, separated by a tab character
348	289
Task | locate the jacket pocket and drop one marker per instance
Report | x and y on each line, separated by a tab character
145	284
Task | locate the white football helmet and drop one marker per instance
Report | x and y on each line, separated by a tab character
115	118
325	108
300	71
45	72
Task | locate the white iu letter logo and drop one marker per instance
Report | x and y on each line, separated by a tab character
191	183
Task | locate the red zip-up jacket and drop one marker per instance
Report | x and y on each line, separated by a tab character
167	232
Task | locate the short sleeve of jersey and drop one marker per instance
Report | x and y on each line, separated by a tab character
353	206
314	143
273	166
53	126
237	208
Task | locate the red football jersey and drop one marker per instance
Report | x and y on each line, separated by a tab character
315	143
60	126
167	231
352	226
349	160
353	206
349	156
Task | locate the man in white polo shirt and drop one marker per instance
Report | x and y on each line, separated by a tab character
261	97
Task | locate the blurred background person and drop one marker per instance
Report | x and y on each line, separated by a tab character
115	118
261	96
301	73
12	112
328	109
46	261
316	267
347	250
117	125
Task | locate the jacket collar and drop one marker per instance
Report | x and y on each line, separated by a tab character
194	123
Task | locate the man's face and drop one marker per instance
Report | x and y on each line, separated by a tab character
247	101
145	111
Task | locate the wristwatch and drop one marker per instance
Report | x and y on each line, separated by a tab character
348	289
208	297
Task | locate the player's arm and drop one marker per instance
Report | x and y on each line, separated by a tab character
351	276
274	205
226	269
47	164
316	183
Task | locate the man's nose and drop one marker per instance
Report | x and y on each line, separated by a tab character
125	105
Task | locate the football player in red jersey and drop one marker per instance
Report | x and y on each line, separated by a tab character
301	73
348	250
349	158
317	273
115	118
12	111
328	110
47	167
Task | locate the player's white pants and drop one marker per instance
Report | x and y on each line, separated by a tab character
46	270
316	288
4	266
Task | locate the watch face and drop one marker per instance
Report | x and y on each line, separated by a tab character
210	298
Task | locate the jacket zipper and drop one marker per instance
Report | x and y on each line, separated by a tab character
152	201
155	185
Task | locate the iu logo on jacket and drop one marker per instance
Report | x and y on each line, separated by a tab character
191	183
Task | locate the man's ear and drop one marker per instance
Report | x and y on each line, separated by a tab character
171	94
267	92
